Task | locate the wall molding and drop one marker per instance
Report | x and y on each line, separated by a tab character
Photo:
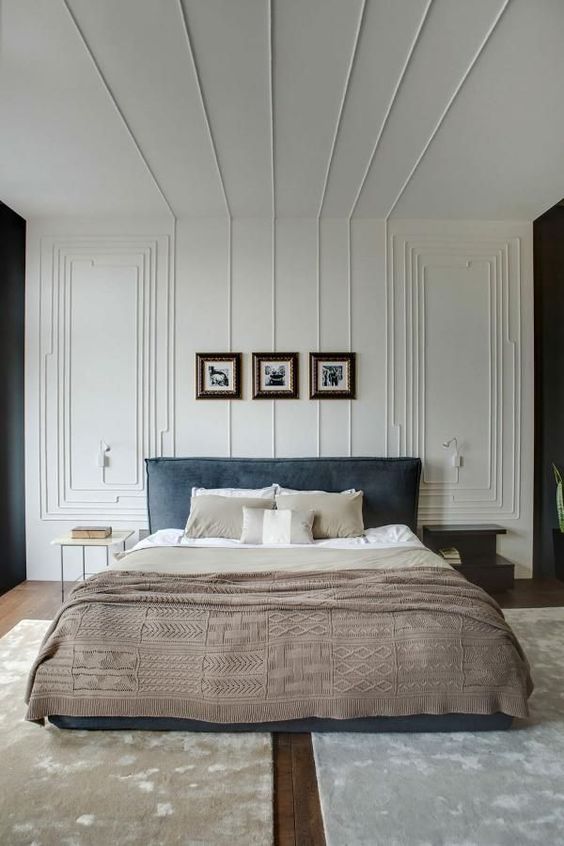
410	258
149	257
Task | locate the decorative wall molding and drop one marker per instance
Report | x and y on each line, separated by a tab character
61	498
411	259
386	289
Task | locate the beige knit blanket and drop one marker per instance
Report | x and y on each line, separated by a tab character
275	646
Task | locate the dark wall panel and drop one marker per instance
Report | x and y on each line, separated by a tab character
549	378
12	469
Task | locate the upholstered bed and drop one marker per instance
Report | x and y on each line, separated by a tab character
375	633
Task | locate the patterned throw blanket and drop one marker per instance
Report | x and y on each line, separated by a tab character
275	646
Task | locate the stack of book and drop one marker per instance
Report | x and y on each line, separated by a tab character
91	532
452	555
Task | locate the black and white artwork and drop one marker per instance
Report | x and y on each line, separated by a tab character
275	375
332	375
218	375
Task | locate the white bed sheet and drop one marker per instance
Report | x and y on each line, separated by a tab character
168	551
384	537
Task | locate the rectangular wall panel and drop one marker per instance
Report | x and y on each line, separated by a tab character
104	372
455	365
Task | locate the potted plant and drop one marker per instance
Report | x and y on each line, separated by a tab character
558	534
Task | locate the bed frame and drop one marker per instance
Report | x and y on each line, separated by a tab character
391	492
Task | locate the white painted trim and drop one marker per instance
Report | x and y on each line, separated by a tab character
273	189
448	106
202	99
408	254
111	96
352	62
151	257
220	175
348	76
391	104
349	317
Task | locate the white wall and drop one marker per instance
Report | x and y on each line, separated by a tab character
439	314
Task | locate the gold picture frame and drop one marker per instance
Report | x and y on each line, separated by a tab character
275	375
332	375
218	376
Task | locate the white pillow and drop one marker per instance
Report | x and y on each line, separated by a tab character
258	493
261	526
290	491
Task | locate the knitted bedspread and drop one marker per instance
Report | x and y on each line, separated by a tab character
275	646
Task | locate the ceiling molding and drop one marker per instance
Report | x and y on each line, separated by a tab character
359	29
447	108
314	109
195	68
393	98
116	106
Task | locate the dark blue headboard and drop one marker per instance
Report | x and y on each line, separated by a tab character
390	485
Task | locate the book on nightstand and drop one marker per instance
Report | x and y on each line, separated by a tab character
452	555
91	532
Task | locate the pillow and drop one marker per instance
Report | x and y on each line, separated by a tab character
285	491
283	526
219	516
336	515
257	493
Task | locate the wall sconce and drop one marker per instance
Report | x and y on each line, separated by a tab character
102	458
456	457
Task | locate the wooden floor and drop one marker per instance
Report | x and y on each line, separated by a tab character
297	813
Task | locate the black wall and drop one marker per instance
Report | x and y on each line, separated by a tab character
548	233
12	315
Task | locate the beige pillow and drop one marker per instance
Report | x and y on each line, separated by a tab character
285	491
219	516
272	527
337	515
251	493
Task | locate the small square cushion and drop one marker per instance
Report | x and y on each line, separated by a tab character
261	526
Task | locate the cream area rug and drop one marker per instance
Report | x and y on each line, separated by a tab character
78	788
482	789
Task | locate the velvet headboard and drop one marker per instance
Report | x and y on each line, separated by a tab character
390	485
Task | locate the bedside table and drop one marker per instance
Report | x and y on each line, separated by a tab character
119	536
476	544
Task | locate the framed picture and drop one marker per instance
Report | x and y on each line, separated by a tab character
275	375
218	375
332	375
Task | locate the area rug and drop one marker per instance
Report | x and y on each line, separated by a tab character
490	789
78	788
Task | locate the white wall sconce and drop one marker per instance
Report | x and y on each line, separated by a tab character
456	459
102	457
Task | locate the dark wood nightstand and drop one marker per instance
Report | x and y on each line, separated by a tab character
477	547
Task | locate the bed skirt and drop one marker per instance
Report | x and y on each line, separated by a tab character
368	725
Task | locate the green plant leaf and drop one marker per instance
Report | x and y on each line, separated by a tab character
559	496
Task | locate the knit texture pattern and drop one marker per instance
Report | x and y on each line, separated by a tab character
275	646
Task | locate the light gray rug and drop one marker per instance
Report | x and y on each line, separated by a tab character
77	788
492	789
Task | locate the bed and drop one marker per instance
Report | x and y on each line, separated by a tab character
369	634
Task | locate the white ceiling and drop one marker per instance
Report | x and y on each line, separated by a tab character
409	108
